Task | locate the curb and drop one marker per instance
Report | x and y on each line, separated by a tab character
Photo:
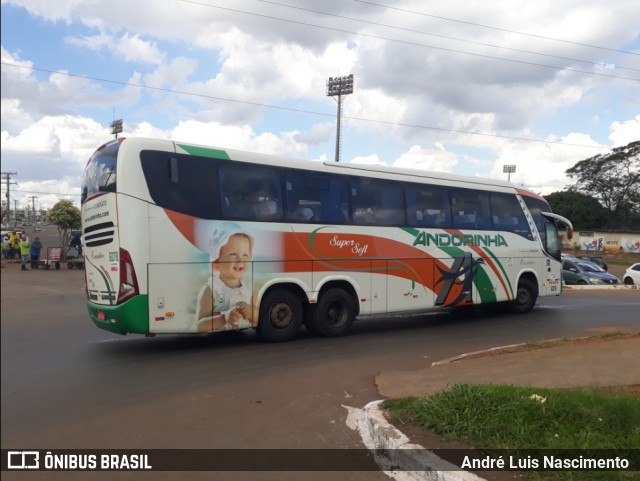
396	455
597	287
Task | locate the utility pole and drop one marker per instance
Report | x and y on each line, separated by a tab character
337	87
7	178
33	208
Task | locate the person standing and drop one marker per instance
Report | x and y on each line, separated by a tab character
6	248
34	251
76	242
14	240
24	247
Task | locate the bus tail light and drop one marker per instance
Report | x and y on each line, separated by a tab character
128	280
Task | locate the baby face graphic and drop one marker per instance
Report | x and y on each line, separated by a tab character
232	261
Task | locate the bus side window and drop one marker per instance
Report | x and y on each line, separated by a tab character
471	209
250	192
427	206
507	215
315	197
334	204
376	202
184	185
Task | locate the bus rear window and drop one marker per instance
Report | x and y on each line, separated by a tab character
100	172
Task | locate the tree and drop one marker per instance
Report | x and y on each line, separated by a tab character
65	216
613	179
584	212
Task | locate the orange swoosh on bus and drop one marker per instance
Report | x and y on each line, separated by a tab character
408	262
184	223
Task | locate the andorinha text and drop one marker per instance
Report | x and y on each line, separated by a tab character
456	240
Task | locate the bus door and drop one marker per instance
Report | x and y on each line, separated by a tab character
552	247
552	269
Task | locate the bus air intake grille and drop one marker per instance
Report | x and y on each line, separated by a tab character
96	235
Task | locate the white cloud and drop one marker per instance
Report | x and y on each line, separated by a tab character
623	133
437	159
131	48
237	137
535	162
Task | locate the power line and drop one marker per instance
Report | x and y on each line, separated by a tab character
416	44
45	193
559	57
291	109
496	28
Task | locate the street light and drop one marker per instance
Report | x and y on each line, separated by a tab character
509	169
337	87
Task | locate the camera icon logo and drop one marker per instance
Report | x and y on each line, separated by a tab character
23	460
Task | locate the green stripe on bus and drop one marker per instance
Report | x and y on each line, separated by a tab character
204	152
481	279
505	276
131	316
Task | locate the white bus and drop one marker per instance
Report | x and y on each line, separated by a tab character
183	238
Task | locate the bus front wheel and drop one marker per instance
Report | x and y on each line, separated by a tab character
334	314
526	297
280	316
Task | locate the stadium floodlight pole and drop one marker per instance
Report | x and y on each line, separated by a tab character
509	169
116	127
337	87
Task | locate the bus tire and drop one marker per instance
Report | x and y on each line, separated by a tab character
526	297
280	316
334	313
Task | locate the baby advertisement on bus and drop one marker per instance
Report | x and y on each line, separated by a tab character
237	268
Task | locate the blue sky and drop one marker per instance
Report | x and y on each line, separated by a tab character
452	86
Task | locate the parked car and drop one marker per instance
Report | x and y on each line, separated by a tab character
585	272
597	259
632	275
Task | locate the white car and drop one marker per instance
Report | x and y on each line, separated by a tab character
632	275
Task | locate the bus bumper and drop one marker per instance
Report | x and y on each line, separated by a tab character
131	316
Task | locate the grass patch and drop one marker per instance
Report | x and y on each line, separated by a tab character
493	417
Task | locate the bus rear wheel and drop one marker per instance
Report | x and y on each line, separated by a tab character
334	314
280	316
526	297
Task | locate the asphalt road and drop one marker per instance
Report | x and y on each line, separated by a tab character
67	384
